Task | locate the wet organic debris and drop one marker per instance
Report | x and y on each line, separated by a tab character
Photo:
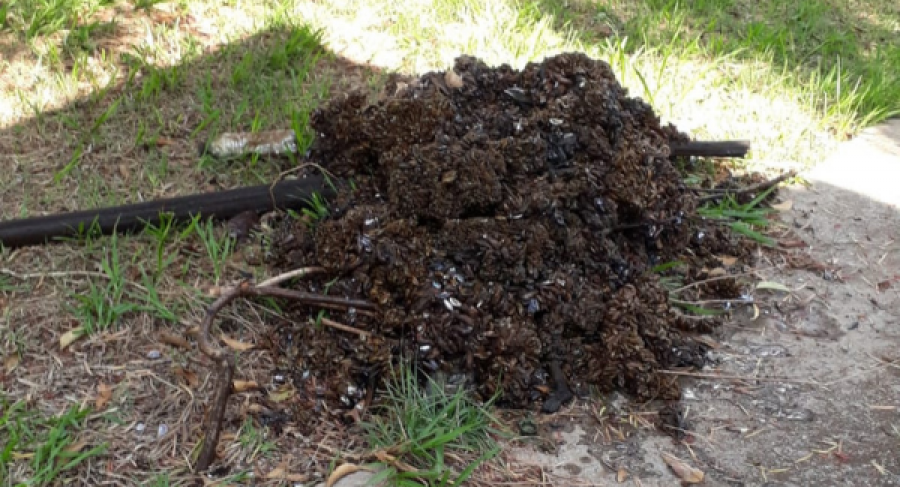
506	223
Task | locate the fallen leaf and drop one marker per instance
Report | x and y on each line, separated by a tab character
237	345
774	286
343	471
453	79
709	342
163	141
275	473
282	394
621	475
11	362
793	244
70	337
684	471
784	205
75	447
104	395
717	272
244	385
727	260
189	376
174	340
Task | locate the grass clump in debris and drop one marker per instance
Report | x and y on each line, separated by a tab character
420	433
50	444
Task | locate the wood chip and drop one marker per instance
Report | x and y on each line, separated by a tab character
174	340
343	471
236	344
104	395
70	337
685	472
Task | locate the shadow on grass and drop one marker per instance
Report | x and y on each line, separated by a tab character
848	52
135	137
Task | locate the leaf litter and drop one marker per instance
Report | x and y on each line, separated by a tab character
507	225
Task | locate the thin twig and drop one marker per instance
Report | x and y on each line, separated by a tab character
313	299
340	326
303	272
742	377
61	274
225	363
719	278
712	301
752	188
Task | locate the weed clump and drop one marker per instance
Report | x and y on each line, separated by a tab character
507	223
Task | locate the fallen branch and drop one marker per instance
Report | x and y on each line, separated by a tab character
719	193
224	363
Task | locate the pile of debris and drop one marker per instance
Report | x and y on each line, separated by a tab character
507	224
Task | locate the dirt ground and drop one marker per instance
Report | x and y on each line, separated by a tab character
834	419
832	423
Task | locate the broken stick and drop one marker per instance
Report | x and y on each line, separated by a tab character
224	362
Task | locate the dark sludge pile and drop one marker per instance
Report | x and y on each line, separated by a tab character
506	223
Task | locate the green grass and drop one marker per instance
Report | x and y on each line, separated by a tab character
844	57
105	302
49	444
420	426
746	219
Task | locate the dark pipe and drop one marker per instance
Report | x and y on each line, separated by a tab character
289	194
727	148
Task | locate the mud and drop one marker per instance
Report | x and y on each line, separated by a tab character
507	223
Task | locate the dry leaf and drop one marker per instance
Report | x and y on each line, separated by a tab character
684	471
793	244
343	471
282	394
237	345
104	395
174	340
784	205
727	260
774	286
76	447
189	376
621	475
453	79
717	272
70	337
276	473
11	362
244	385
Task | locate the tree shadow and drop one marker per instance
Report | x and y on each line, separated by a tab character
838	46
134	137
